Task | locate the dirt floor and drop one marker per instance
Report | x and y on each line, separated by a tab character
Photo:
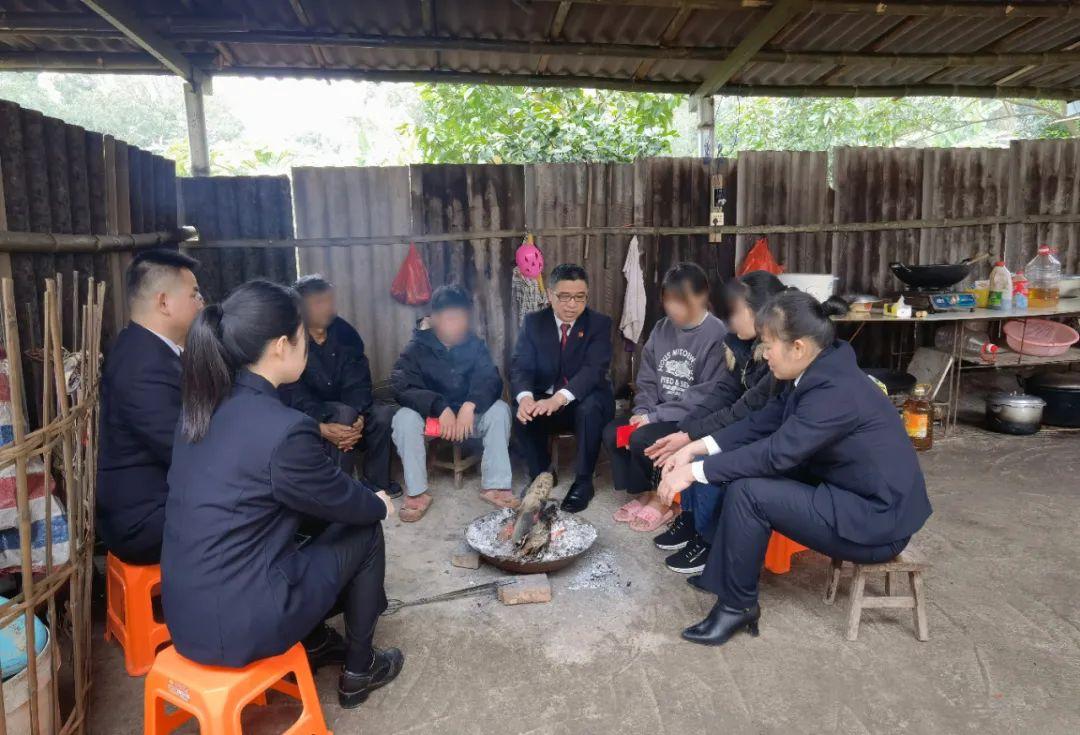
605	655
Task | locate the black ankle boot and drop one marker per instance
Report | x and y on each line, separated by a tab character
353	689
722	623
325	647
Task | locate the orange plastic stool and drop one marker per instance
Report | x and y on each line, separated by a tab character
779	552
129	592
216	696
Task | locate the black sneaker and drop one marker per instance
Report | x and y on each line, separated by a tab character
678	534
691	559
353	689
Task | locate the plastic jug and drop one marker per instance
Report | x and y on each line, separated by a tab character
975	344
1000	287
1044	279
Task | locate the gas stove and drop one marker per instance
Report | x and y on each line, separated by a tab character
938	301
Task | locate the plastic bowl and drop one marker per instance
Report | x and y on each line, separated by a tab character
1040	337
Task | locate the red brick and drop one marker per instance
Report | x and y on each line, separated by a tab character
525	589
465	557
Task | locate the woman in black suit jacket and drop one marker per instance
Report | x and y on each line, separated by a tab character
246	470
827	463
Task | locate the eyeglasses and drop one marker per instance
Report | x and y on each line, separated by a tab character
566	298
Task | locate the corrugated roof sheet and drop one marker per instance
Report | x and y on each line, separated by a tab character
625	41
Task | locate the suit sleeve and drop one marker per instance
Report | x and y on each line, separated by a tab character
712	403
648	390
712	369
756	425
303	477
485	383
356	390
150	405
523	361
410	390
820	418
594	369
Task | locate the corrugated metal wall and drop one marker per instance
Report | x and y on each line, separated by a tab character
343	202
60	178
1046	181
239	207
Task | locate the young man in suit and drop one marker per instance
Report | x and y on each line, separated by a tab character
336	389
140	404
559	377
446	373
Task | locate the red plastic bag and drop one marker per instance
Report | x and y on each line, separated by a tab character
760	259
411	285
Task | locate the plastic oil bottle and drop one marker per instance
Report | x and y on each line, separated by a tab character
1001	287
919	418
1044	279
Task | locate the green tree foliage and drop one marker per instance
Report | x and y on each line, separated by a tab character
494	124
819	123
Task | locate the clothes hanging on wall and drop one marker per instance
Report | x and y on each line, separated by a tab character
528	295
633	316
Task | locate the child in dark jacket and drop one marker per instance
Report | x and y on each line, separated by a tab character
682	357
446	373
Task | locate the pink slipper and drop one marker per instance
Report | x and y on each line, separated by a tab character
649	519
626	513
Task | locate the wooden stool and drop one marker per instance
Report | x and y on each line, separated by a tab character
216	696
129	594
908	562
458	463
553	447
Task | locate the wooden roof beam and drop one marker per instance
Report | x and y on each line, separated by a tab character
557	23
122	17
777	17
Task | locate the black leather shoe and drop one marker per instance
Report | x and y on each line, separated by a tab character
577	499
722	623
330	650
394	491
353	689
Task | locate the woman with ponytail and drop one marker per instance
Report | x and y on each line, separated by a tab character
246	472
826	463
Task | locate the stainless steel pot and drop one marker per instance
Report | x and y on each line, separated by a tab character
1014	413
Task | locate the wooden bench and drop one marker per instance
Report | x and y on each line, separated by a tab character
908	562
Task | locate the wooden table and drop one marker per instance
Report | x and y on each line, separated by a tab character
957	362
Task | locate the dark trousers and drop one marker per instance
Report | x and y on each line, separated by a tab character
375	442
586	417
752	508
703	503
361	558
631	470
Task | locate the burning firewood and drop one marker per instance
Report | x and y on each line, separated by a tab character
531	525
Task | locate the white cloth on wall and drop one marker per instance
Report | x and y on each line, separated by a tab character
633	315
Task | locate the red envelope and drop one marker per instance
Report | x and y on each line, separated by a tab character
622	435
431	428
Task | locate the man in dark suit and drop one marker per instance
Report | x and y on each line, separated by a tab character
559	377
140	404
336	389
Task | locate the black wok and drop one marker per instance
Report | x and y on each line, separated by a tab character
935	276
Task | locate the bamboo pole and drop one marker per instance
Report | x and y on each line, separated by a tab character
322	242
22	492
44	242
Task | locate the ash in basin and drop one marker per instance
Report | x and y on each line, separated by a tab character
569	536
